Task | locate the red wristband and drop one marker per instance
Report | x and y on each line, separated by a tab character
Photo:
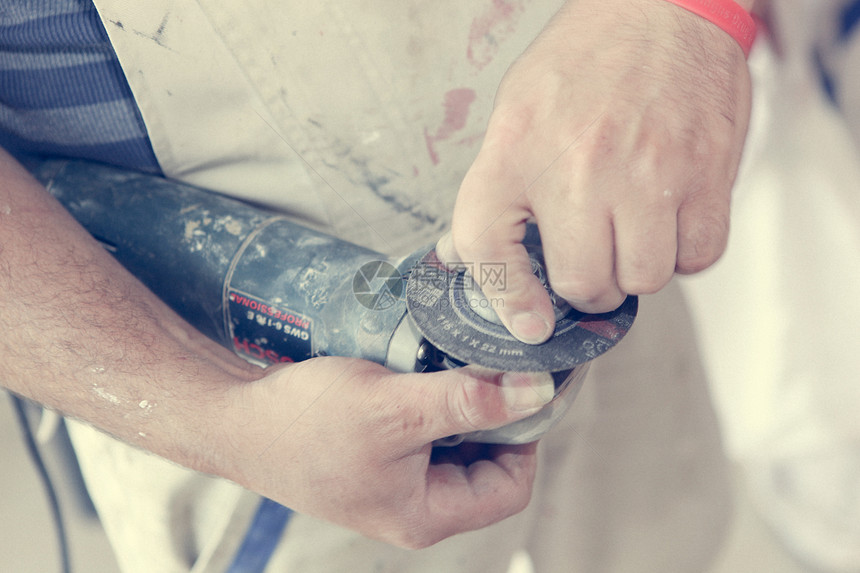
726	14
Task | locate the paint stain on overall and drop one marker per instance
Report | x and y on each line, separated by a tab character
490	28
157	36
457	104
362	171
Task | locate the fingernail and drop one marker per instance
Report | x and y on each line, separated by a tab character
527	391
445	250
530	327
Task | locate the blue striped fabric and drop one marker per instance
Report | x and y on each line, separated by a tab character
841	27
850	18
62	91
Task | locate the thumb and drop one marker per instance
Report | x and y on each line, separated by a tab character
471	398
517	296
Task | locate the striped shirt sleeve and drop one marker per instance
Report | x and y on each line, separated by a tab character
62	90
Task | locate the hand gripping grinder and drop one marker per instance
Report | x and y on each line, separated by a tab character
275	291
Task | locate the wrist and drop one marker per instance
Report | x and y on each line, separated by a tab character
249	426
733	17
210	419
187	415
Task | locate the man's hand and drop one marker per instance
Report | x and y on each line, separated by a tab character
621	138
351	442
342	439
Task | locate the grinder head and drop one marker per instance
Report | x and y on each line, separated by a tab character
450	311
453	324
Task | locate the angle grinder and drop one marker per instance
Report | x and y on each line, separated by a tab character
276	291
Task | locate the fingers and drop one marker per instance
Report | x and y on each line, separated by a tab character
595	255
603	239
646	243
470	399
488	229
579	251
475	485
469	486
464	489
703	231
516	295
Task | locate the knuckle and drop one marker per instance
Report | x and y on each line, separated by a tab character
423	540
402	520
644	168
702	242
407	532
520	501
646	282
646	274
579	290
596	304
466	241
414	529
510	124
473	240
464	404
415	537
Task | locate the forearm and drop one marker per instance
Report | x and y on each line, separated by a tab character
81	335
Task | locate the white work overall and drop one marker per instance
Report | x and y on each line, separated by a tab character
360	118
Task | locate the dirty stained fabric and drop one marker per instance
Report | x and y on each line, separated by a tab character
360	119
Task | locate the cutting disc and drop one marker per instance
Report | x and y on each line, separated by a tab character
452	314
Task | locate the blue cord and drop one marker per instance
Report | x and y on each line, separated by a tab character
263	535
45	477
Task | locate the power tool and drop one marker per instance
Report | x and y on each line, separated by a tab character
277	291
